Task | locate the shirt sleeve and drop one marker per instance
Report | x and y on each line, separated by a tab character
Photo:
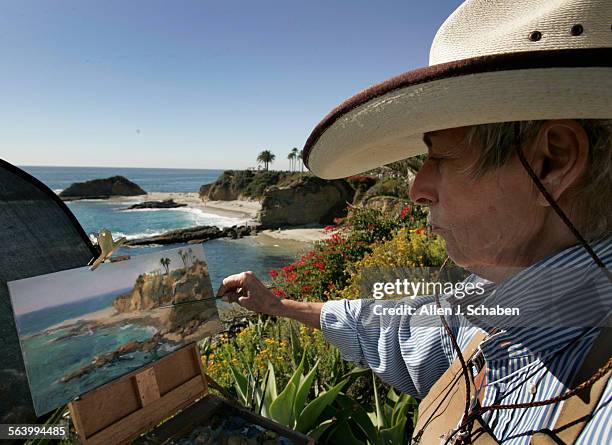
402	341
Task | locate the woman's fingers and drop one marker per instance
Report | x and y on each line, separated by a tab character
233	282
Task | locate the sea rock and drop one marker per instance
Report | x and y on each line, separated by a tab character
196	234
165	204
102	189
306	200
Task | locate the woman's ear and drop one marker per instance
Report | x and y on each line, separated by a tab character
561	153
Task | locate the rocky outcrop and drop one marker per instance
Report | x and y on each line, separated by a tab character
102	189
387	204
243	184
192	235
306	200
152	290
165	204
204	190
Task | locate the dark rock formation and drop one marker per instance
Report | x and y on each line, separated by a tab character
102	188
165	204
192	235
306	200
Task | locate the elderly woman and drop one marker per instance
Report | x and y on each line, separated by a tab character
514	113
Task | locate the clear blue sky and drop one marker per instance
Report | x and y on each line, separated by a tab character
197	84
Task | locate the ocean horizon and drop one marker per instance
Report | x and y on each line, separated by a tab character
57	178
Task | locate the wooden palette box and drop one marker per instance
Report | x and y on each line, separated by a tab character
121	411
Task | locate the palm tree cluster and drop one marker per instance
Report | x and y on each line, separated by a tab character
266	157
295	159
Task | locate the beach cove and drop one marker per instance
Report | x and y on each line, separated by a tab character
269	249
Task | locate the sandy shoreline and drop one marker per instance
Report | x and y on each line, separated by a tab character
231	209
240	209
105	316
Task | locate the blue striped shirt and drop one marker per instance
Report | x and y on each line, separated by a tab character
532	357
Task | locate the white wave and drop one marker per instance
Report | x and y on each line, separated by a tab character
200	217
127	326
151	330
138	235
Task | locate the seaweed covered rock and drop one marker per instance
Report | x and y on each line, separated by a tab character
102	189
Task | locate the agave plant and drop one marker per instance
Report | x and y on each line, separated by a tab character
290	407
390	422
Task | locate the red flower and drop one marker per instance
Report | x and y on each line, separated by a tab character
278	292
419	231
329	228
307	288
273	273
405	212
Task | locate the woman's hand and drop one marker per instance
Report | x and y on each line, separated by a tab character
246	290
249	292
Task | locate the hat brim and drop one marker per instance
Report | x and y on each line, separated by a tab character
386	122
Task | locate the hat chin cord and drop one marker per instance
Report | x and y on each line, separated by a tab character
472	411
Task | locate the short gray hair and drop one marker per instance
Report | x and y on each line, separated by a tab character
591	200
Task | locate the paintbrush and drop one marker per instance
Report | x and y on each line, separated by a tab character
204	299
190	302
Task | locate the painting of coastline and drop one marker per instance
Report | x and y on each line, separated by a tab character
80	329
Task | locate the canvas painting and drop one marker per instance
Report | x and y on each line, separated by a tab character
80	329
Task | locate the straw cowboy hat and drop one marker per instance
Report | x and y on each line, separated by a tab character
491	61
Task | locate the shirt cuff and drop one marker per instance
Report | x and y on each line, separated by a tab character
339	326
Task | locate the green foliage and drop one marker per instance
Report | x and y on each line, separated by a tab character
389	186
261	181
321	273
252	184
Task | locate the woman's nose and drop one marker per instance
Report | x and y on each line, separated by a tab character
423	191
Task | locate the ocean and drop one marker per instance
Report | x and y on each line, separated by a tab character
224	256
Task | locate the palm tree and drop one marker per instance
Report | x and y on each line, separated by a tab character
295	153
266	157
291	157
165	262
300	156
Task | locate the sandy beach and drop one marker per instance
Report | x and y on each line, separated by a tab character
232	209
241	209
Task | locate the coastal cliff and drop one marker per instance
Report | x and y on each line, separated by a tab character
306	200
242	184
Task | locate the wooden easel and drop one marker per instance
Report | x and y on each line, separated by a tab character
125	408
122	410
